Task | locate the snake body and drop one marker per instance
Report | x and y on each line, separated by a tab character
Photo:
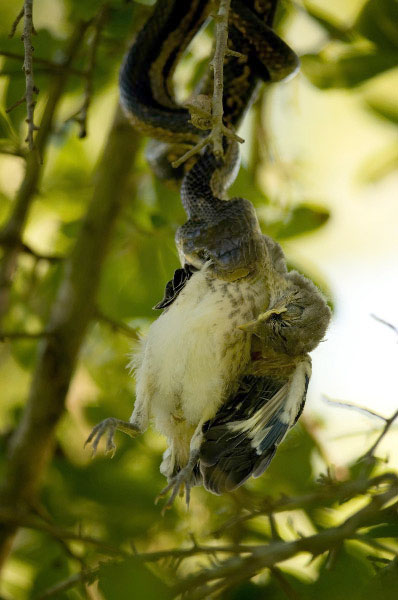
217	230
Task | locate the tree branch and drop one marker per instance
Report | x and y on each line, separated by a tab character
33	170
327	494
31	446
7	241
31	89
81	115
266	556
218	129
372	449
117	325
349	405
248	560
386	323
24	519
50	65
21	335
16	22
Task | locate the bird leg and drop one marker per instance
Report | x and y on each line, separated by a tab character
109	426
251	326
184	477
181	480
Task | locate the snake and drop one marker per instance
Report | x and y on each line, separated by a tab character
217	230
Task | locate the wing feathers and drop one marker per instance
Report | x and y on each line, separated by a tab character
243	437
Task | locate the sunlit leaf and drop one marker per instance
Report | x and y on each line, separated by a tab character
302	219
328	23
385	110
347	71
116	581
378	21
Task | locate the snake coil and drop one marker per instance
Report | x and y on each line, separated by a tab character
147	93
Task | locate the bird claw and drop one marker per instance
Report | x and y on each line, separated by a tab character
176	486
251	326
110	425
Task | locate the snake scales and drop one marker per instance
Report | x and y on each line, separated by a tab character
147	96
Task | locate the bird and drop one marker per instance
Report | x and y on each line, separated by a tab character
223	372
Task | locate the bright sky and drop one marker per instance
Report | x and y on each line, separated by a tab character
335	142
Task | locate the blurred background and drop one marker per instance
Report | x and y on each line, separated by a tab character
320	165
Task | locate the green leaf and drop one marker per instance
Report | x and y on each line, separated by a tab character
384	109
384	585
378	21
131	579
6	129
383	531
328	23
302	219
346	72
379	165
245	187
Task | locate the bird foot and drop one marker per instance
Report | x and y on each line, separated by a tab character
109	426
252	325
176	486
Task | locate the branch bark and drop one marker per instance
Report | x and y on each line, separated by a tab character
31	446
247	560
243	568
218	129
31	89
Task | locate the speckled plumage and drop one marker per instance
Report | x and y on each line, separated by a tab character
209	342
194	353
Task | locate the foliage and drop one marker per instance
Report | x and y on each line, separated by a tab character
94	526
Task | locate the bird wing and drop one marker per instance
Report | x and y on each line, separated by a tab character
174	286
242	438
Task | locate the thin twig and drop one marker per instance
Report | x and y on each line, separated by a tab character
247	560
91	575
327	494
21	335
52	66
390	325
16	22
80	116
349	405
31	89
217	64
266	556
23	519
17	103
13	242
13	229
284	584
117	325
51	258
218	129
67	584
371	451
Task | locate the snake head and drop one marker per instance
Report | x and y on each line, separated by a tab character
229	240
